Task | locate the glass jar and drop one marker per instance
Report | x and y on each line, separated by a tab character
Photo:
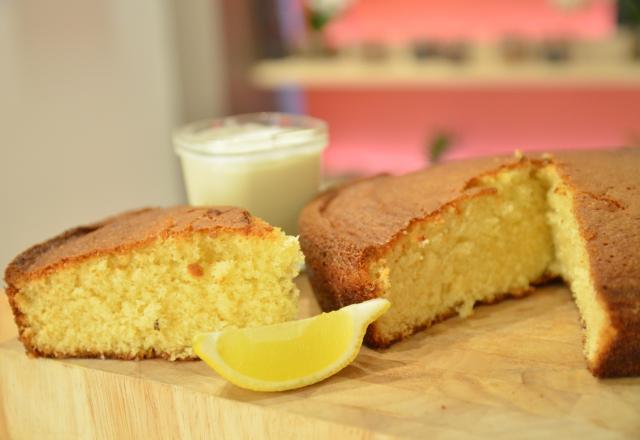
267	163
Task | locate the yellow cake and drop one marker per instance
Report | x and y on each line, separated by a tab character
143	283
439	241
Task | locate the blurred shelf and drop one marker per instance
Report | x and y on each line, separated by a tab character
592	65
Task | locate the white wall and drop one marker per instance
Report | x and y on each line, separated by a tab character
90	91
200	58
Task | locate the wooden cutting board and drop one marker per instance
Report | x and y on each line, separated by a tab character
512	370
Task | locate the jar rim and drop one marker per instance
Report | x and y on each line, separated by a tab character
296	132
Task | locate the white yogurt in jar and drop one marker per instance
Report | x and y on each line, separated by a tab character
267	163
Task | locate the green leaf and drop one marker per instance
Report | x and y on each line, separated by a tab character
318	20
438	145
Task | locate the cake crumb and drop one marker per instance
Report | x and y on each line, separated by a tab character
195	270
156	325
443	406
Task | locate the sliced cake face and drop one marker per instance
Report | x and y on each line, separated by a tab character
595	218
572	263
478	249
151	299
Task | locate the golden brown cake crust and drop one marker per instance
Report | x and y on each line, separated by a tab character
126	231
606	190
119	234
344	229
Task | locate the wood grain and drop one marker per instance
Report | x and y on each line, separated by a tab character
8	328
514	369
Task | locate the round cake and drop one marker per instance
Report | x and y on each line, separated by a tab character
438	241
142	284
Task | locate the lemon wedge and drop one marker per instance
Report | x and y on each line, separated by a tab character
291	354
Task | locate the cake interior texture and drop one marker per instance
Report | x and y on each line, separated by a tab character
518	231
158	296
572	263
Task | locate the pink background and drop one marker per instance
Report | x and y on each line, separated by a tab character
377	130
400	21
385	130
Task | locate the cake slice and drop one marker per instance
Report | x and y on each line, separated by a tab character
594	216
143	283
439	241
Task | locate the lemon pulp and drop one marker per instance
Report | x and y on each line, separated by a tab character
282	357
